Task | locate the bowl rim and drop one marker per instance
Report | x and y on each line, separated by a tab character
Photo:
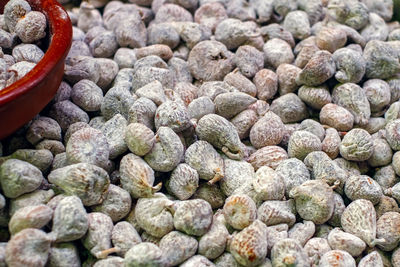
60	34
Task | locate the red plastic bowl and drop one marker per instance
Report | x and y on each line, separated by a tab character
22	100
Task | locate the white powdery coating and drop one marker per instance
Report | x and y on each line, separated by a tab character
32	27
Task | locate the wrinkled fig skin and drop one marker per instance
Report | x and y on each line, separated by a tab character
359	219
315	97
226	259
363	187
249	60
142	111
152	215
353	14
277	212
269	156
315	248
266	82
70	220
350	65
392	134
337	258
64	254
233	32
268	184
197	260
239	211
319	69
302	232
244	121
330	39
213	243
331	143
380	63
220	133
228	105
30	217
43	128
338	210
372	259
357	145
173	115
114	131
210	193
344	241
178	247
210	60
19	177
301	143
289	108
88	182
276	233
208	163
378	94
88	145
297	23
201	106
289	252
235	173
167	151
268	130
314	201
396	257
277	52
382	154
41	158
35	198
109	261
98	236
124	236
293	172
144	254
183	182
137	177
193	217
249	247
386	228
352	97
30	247
116	204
